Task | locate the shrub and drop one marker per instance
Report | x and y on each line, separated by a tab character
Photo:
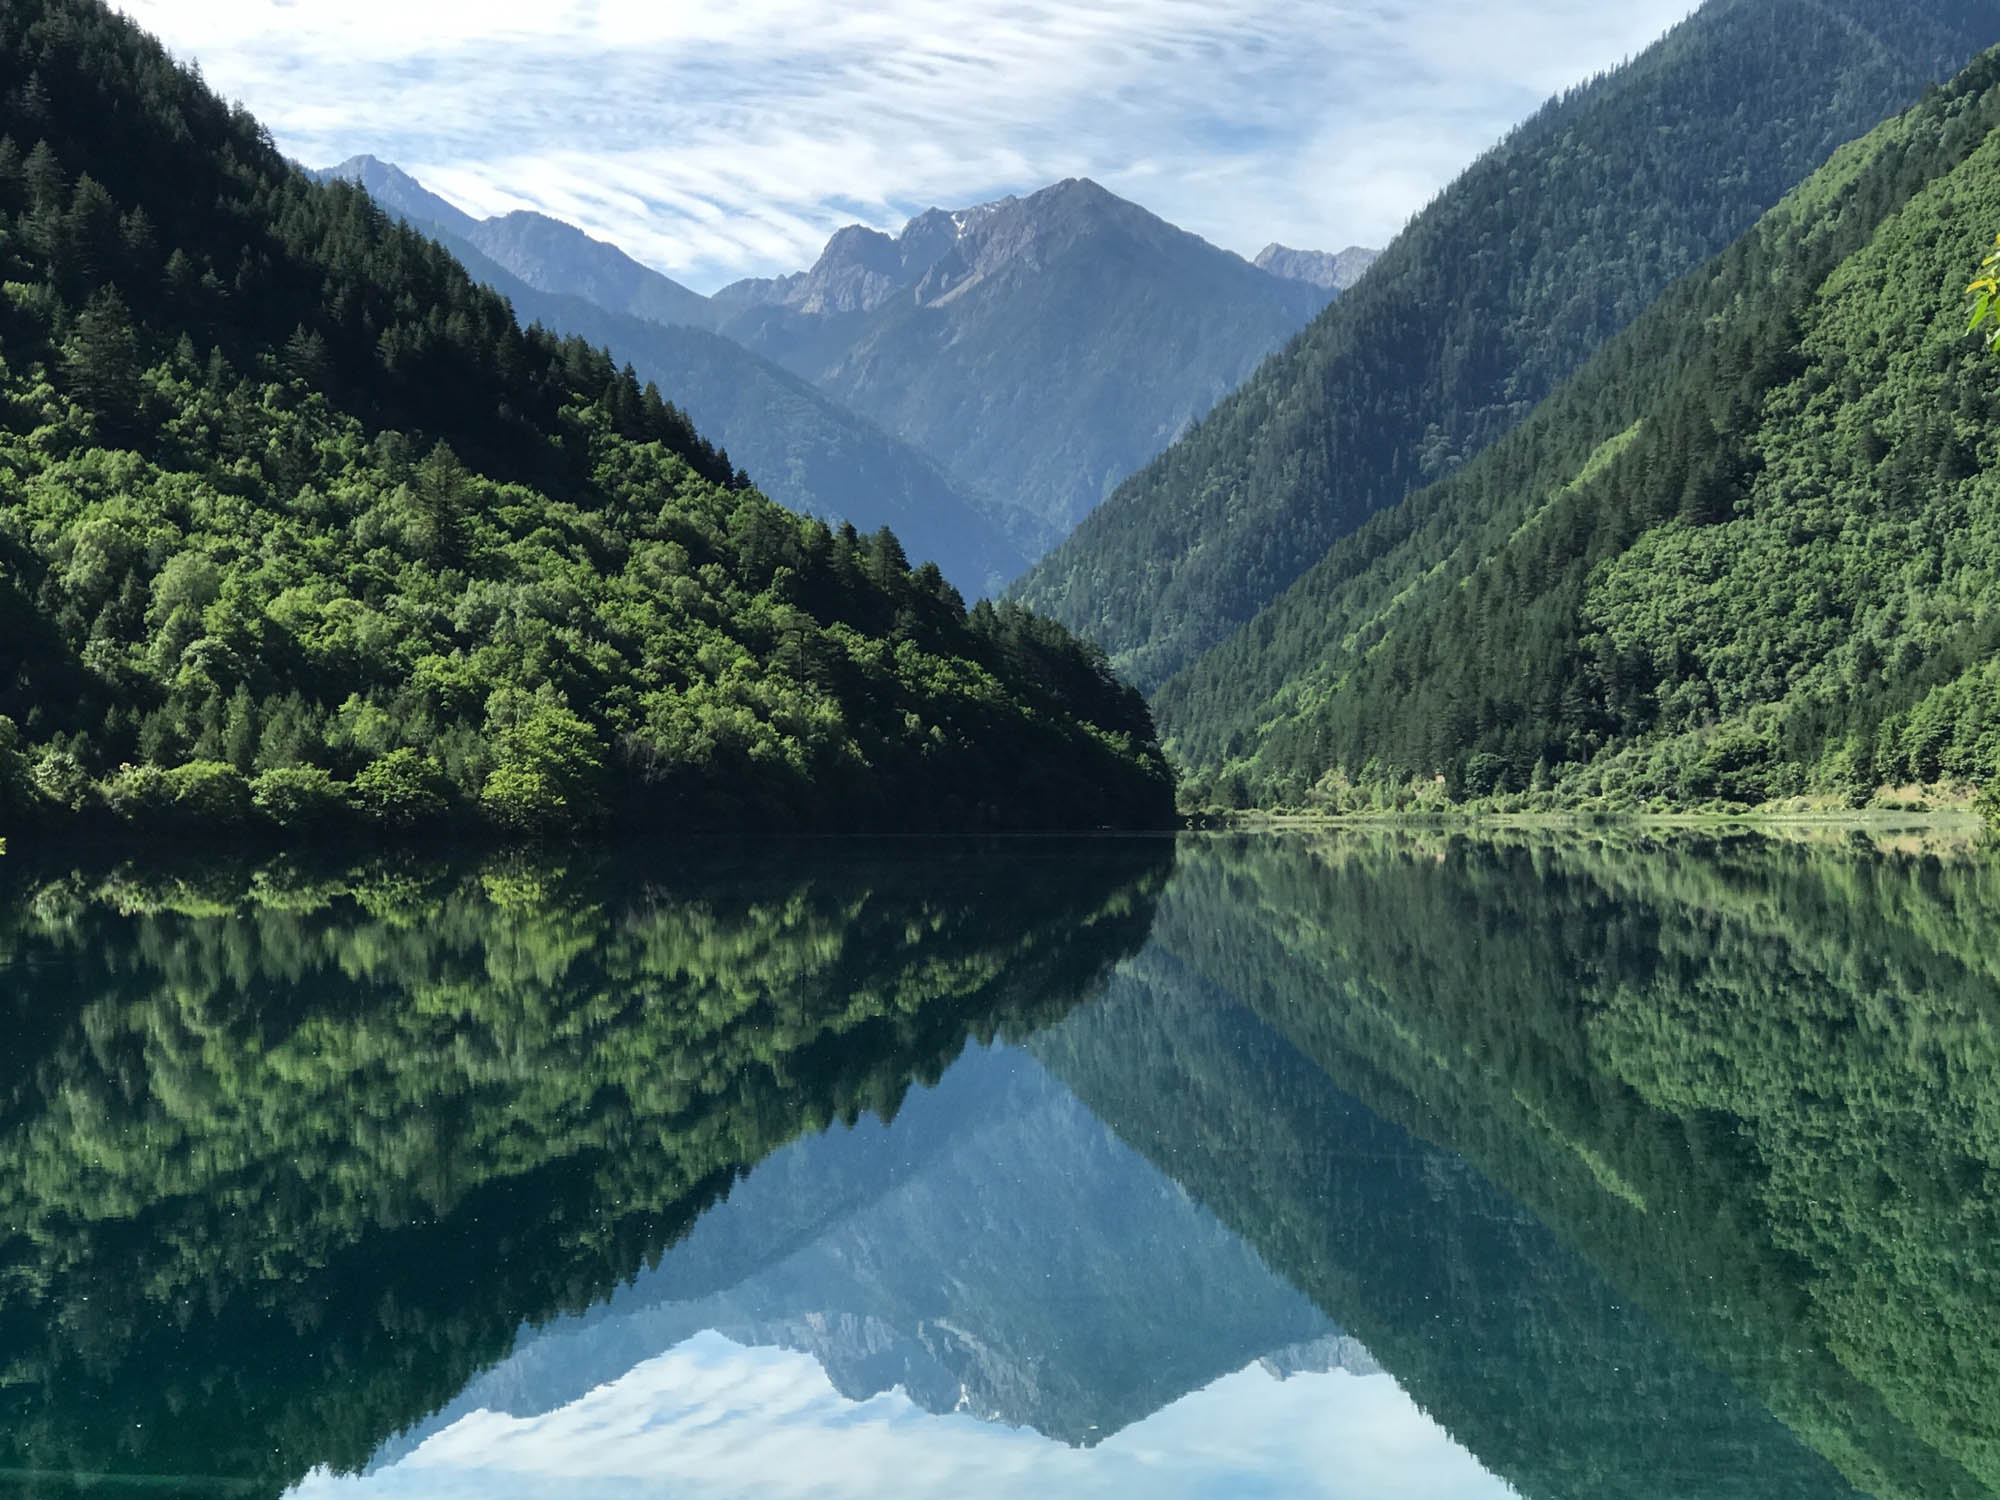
60	777
210	794
296	797
141	794
403	789
550	776
16	790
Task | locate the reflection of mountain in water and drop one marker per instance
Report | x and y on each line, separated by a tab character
995	1251
285	1159
1607	1154
1500	1332
1753	1081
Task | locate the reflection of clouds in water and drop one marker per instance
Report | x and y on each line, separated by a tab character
712	1419
724	140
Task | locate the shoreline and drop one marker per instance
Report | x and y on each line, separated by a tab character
1940	820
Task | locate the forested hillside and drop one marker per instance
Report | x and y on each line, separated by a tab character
1752	552
1505	285
300	526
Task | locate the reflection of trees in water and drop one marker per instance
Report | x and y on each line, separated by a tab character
1755	1082
285	1155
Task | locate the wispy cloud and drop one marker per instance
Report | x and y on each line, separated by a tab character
713	1419
723	140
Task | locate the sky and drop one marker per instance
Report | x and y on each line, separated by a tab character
719	140
713	1419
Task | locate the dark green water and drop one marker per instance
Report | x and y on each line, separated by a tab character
1358	1166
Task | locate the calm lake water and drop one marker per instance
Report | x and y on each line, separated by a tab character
1376	1165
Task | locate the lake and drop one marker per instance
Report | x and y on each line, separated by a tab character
1417	1166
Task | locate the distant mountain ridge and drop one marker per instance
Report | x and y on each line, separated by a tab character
1041	348
545	253
1024	355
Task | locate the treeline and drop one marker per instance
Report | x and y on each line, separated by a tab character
302	530
293	1150
1747	555
1495	293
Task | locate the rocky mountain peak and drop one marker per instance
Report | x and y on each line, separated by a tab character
398	192
1334	270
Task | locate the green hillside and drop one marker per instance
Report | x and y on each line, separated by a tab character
1505	285
1751	552
298	526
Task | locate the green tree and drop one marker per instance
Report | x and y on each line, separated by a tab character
550	775
403	789
1985	294
300	797
101	359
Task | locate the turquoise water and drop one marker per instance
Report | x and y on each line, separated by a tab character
1370	1165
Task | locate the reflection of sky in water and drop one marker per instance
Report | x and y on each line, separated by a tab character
711	1418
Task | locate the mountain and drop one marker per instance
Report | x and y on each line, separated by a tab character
1040	348
545	253
1335	272
293	499
802	449
1502	287
1749	553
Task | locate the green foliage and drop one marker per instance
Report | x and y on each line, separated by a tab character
289	1153
209	794
403	790
287	491
1985	288
1748	554
550	772
16	790
1498	291
302	798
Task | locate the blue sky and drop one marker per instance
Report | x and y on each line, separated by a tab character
722	140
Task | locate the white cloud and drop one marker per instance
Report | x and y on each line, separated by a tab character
717	140
710	1419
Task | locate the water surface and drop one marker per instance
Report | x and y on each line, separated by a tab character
1369	1165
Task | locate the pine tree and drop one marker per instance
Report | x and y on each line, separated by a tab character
101	360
